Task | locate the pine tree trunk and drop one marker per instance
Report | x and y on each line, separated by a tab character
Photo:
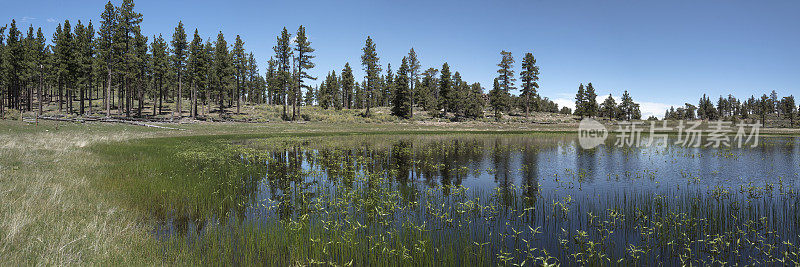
412	97
128	97
38	95
140	108
82	93
194	101
91	85
29	97
285	103
180	95
155	103
527	105
2	103
60	98
294	105
160	95
238	95
221	104
107	96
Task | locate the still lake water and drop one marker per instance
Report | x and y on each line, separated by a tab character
554	164
544	189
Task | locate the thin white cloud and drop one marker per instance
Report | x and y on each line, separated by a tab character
565	102
647	108
51	20
653	109
27	19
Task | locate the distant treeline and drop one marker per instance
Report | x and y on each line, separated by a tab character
115	64
586	105
731	108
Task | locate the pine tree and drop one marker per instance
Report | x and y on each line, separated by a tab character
475	103
347	84
40	49
105	49
328	91
14	57
310	96
458	95
223	71
139	69
788	108
179	62
127	24
193	68
706	110
369	60
283	55
627	108
590	101
239	65
389	82
764	107
529	76
304	56
446	94
30	67
413	69
207	75
334	85
272	81
499	99
64	61
254	94
773	102
3	71
427	93
609	108
580	100
159	67
506	71
84	54
402	95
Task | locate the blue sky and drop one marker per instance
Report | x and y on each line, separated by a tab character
663	52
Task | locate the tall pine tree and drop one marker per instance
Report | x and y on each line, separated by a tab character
179	62
369	60
529	76
304	56
401	103
283	55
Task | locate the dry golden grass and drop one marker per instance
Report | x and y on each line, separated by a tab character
50	214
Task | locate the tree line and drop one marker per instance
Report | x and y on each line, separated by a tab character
730	108
125	70
126	73
586	105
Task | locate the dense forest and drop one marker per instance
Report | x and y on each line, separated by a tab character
730	108
114	70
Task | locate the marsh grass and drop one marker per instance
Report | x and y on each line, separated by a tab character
51	214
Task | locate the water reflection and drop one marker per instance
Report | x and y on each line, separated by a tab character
543	183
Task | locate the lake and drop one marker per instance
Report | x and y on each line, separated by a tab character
502	199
